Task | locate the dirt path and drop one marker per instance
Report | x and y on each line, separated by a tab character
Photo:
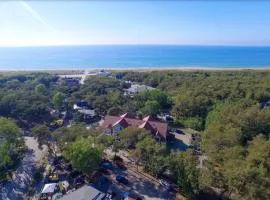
22	177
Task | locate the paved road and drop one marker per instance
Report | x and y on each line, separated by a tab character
22	177
138	186
139	183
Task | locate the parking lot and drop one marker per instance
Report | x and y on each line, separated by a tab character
138	186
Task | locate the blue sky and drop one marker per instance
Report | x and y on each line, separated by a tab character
27	23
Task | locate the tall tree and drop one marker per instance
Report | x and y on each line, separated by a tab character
58	99
184	165
42	134
84	155
151	154
11	145
151	107
41	89
130	136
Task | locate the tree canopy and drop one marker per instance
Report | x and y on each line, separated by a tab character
11	145
84	155
58	99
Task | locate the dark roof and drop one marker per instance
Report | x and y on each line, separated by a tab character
83	104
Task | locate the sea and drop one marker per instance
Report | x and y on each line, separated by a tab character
133	57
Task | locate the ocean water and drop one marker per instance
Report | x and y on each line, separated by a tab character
133	56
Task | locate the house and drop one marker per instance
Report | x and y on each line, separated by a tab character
83	108
101	73
136	88
81	105
114	124
48	191
86	192
71	80
87	112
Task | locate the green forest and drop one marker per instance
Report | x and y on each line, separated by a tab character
227	108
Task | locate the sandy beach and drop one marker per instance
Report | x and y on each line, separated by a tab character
139	69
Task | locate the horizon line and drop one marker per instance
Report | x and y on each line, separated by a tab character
140	44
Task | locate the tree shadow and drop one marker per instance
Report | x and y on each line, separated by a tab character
18	186
177	145
151	190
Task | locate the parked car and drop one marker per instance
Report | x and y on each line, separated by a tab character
169	118
179	131
107	165
120	165
108	197
121	179
164	183
124	195
104	171
193	136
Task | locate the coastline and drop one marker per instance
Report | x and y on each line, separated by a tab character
138	69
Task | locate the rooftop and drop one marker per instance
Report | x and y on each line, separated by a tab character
86	192
127	119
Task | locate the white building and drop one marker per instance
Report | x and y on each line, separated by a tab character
99	73
136	88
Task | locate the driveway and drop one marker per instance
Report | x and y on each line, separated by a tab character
22	177
181	142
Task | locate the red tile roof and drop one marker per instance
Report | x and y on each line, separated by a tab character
127	115
160	127
109	120
149	118
146	125
122	122
149	123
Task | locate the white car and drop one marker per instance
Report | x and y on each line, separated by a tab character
164	183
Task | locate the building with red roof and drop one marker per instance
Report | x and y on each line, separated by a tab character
115	124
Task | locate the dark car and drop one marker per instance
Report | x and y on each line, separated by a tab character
120	165
107	165
124	195
121	179
104	171
169	118
179	131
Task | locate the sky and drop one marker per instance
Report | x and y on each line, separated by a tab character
37	23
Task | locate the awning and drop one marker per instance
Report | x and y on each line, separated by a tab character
49	188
